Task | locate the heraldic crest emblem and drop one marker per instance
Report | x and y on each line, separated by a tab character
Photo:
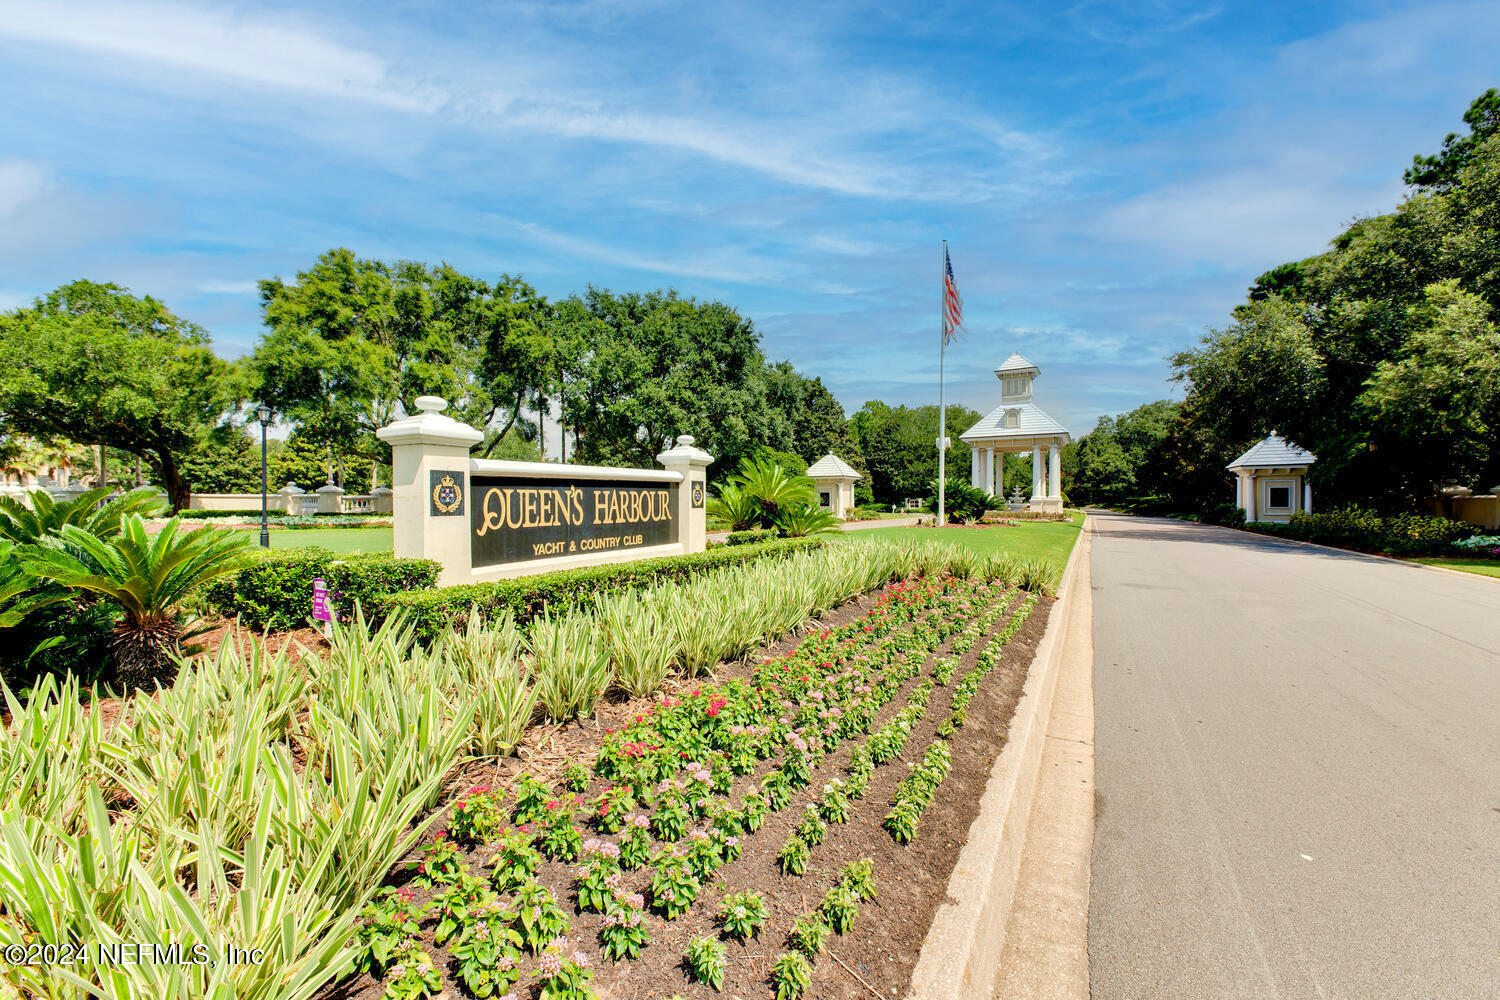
447	493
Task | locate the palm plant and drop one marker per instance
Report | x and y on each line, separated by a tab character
772	487
147	577
20	592
27	524
796	522
736	506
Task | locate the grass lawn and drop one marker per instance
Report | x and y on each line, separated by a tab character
1484	567
1051	540
339	540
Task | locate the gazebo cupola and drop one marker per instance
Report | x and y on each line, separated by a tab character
1015	376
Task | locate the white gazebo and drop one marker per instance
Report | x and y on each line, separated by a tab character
1018	424
834	479
1270	481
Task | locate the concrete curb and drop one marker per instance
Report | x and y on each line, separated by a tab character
960	958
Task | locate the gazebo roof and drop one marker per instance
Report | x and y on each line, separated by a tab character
1034	422
831	467
1275	452
1017	365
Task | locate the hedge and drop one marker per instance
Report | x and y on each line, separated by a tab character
276	591
433	611
750	536
1364	530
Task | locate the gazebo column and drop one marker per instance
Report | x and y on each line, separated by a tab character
974	464
1036	472
1054	471
1306	496
989	470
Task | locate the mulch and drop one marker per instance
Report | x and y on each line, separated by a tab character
879	953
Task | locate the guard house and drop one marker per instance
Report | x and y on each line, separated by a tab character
1270	481
834	481
1018	424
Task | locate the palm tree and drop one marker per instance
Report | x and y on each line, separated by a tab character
147	577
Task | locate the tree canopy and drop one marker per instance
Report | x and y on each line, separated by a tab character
898	446
1378	354
96	365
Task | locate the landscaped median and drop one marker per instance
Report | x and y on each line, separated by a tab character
771	811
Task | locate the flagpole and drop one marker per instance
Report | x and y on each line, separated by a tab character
942	441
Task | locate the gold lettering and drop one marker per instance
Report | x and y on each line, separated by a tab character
601	507
560	511
544	506
491	519
666	505
528	508
512	511
575	497
635	505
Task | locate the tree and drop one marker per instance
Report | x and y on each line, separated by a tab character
351	340
1435	409
1441	172
96	365
1333	350
899	447
228	462
643	369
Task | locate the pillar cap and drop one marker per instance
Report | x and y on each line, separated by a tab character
430	427
686	453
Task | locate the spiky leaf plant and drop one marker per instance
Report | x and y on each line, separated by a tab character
148	577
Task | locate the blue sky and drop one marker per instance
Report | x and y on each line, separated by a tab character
1109	176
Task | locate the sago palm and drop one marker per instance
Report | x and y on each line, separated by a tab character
148	577
26	524
772	487
735	506
796	522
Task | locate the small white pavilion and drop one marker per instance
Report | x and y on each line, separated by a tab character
834	480
1270	480
1018	424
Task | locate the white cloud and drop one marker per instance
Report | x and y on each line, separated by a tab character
212	41
718	266
22	182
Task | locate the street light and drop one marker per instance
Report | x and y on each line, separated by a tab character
263	414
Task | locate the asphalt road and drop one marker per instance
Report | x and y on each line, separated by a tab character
1298	771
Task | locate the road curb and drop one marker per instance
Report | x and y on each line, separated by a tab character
960	958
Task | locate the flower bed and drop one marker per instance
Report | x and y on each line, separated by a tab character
740	835
261	802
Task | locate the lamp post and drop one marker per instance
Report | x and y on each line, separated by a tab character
263	414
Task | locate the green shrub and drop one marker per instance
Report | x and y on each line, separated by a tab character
867	512
963	501
1367	531
1227	514
751	536
432	611
276	591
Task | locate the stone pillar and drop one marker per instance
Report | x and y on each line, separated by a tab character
287	501
692	492
974	467
1054	471
424	449
1250	487
1306	496
330	498
1037	475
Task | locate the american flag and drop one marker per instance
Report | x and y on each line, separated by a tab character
953	303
